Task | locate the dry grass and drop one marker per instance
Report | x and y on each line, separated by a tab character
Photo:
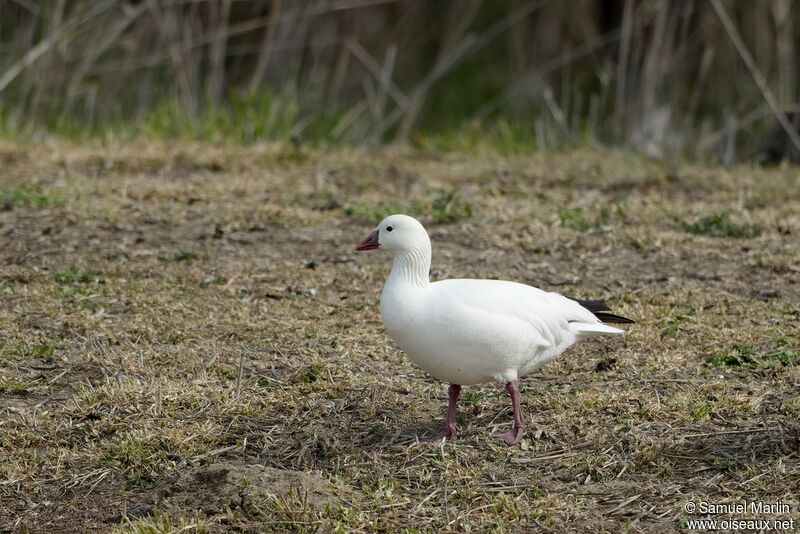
188	341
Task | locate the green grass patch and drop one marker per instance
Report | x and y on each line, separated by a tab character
181	255
42	350
574	218
501	135
448	207
721	225
378	431
186	255
472	397
11	386
244	118
26	196
779	341
36	350
670	325
700	412
309	374
267	383
580	221
73	276
77	286
747	356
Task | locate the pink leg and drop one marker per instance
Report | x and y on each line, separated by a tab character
450	428
517	429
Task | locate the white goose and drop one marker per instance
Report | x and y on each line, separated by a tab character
472	331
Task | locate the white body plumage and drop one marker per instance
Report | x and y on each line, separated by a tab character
466	331
473	331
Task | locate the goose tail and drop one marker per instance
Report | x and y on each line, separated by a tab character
594	329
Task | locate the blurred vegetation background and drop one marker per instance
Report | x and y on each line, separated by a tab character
656	75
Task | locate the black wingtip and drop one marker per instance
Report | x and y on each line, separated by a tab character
593	306
601	310
608	317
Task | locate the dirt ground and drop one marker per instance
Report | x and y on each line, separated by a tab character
189	342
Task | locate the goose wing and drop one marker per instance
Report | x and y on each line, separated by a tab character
552	316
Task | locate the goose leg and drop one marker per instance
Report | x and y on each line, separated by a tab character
450	428
517	429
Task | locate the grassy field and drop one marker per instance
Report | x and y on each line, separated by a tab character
189	342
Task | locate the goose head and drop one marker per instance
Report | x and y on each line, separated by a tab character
397	234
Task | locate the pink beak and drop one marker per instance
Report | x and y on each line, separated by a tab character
369	243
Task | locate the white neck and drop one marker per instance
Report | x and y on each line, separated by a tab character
412	266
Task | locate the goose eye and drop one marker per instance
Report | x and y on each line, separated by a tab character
389	228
